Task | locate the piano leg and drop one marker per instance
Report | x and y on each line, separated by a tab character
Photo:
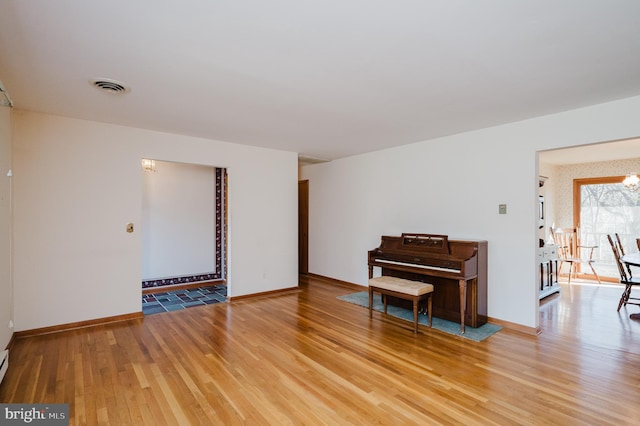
463	302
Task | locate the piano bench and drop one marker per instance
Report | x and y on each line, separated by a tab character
403	289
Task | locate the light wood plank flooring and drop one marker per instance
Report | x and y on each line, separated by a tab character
307	358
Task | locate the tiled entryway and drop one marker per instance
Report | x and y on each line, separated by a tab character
181	299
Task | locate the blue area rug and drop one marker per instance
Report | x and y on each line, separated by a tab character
475	334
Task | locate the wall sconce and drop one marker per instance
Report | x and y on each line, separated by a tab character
148	165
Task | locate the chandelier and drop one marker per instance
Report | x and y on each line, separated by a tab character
632	182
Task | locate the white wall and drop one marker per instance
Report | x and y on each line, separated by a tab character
78	183
6	296
453	186
178	220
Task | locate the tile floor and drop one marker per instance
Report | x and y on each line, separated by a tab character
182	299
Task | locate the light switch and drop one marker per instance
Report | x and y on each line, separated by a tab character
502	209
129	227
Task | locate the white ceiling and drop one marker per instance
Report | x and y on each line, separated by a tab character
326	79
616	150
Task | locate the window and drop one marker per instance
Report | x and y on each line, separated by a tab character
604	206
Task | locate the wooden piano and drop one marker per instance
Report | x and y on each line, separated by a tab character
456	268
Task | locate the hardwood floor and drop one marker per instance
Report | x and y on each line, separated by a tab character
307	358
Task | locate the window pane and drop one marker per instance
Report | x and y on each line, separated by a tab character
607	209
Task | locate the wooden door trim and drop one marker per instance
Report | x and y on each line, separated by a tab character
303	226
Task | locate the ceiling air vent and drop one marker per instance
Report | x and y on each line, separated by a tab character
110	86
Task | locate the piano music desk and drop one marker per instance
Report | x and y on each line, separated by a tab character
403	289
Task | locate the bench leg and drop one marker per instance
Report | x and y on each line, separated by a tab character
415	314
416	304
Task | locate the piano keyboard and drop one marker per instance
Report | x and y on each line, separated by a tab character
417	265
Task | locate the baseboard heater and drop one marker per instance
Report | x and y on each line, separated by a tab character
4	363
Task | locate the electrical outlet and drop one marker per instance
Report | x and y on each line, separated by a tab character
10	323
502	209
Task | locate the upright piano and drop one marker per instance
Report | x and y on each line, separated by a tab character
456	268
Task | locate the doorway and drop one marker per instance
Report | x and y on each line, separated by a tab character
183	226
303	227
567	170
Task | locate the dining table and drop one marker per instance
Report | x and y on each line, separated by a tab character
632	259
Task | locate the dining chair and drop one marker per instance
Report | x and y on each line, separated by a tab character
619	243
620	247
571	251
626	278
